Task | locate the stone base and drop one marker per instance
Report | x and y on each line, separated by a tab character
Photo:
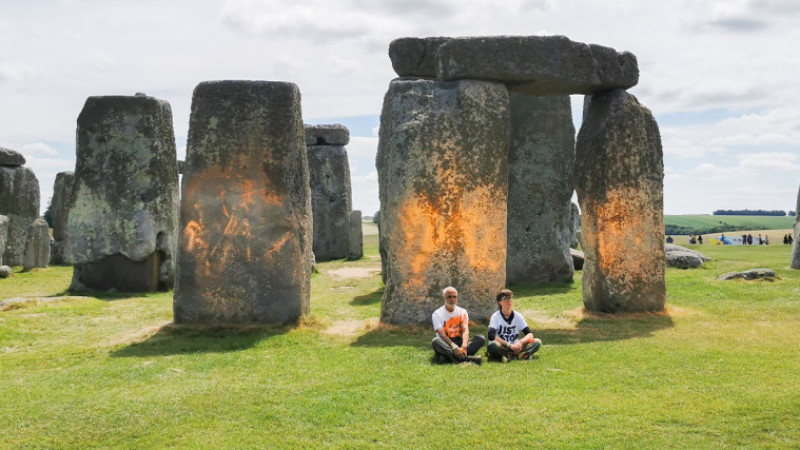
120	273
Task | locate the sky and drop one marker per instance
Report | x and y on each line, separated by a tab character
720	77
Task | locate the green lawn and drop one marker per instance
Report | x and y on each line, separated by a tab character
706	223
720	369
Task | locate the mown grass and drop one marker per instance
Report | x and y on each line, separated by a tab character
718	369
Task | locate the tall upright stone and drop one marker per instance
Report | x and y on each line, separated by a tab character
355	240
62	189
443	175
331	196
620	183
120	217
795	246
540	163
245	246
37	246
19	201
575	226
3	235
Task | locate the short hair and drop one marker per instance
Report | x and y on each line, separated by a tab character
448	288
503	294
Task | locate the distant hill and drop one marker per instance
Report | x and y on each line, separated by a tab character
705	224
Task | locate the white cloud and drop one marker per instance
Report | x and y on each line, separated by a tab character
37	148
361	146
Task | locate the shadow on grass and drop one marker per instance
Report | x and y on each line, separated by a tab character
174	339
596	329
368	299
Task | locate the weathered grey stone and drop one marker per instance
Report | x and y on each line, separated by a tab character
669	248
619	177
118	273
541	156
245	247
329	177
795	245
37	247
124	197
327	134
443	174
577	258
62	190
19	201
5	271
3	235
683	260
181	163
415	57
356	238
11	158
748	275
575	225
537	65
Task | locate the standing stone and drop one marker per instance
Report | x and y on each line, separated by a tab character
795	245
37	247
62	189
575	226
356	238
620	182
120	217
3	235
329	173
443	176
540	163
19	201
245	247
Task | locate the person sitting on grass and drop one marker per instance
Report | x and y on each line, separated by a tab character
451	323
505	328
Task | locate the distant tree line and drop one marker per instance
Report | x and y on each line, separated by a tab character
747	212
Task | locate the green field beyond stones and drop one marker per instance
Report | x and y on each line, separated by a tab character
721	369
707	224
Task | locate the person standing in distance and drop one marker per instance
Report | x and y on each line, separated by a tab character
451	323
505	328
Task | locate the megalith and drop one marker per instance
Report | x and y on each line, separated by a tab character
619	176
541	155
120	216
443	175
355	238
62	189
245	245
3	235
575	226
795	246
537	65
331	196
37	246
19	201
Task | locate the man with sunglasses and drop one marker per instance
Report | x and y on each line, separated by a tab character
451	323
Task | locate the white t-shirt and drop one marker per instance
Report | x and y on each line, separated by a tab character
454	323
506	331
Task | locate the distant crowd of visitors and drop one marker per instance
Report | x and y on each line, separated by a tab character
747	239
788	239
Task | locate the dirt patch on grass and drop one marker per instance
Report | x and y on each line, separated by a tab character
353	272
26	302
542	320
136	336
579	314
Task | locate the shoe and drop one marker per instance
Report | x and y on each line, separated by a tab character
475	359
441	359
535	346
503	359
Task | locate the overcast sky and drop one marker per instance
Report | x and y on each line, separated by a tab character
721	77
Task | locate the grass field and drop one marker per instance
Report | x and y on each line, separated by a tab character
719	369
705	224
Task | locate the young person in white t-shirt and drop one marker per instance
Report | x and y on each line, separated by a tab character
509	334
451	323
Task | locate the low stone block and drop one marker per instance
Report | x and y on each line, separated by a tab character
748	275
356	238
11	158
683	260
327	134
577	258
37	246
5	271
537	65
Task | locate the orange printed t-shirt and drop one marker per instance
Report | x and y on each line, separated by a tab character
454	323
